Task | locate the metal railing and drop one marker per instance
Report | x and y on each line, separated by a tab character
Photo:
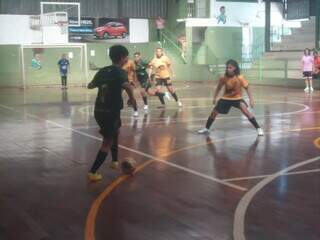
170	42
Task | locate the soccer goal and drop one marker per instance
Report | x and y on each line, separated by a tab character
40	64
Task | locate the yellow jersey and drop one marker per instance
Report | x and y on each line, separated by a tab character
161	67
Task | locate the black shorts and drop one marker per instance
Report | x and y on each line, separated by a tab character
144	82
307	74
223	106
109	123
163	82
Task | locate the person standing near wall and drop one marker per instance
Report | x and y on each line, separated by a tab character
64	67
160	22
307	62
316	68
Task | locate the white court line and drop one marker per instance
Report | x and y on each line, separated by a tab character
267	175
239	217
182	120
135	151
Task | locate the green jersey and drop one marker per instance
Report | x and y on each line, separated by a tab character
141	68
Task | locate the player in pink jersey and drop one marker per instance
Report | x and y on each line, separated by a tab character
307	64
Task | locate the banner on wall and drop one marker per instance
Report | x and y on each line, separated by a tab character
100	30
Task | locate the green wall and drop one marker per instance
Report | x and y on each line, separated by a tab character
224	42
49	73
176	10
10	65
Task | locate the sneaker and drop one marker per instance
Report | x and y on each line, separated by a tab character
260	132
136	114
114	164
179	104
167	95
204	130
311	89
146	107
94	177
306	89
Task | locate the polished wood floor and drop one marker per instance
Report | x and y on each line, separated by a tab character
226	185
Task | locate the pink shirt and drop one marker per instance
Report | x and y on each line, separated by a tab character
307	63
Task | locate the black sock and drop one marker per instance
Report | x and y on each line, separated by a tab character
161	97
135	108
254	122
209	122
101	157
62	81
114	153
114	149
174	95
145	101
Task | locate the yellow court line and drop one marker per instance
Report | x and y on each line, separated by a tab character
317	143
236	137
92	215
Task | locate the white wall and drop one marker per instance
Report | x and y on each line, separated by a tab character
239	14
139	30
15	30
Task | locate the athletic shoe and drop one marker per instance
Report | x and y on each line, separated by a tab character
114	164
136	114
94	177
145	107
167	95
203	131
179	104
306	89
260	132
311	89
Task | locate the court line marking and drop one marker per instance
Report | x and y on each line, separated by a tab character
267	175
165	121
237	137
317	142
305	108
91	220
93	212
82	133
239	216
134	151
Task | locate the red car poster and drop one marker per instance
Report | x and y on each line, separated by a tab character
100	30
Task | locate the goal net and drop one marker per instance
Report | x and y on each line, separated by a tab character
40	64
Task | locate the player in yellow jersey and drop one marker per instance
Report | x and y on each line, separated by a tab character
162	67
130	69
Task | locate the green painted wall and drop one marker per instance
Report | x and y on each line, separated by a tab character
225	42
10	66
49	73
152	31
176	10
257	41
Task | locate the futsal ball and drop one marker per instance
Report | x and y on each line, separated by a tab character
128	166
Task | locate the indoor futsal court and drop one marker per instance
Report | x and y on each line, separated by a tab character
219	132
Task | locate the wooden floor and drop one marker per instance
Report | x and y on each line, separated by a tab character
226	185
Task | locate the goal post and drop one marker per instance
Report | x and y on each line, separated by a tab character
40	64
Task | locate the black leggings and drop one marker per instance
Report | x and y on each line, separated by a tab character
114	148
64	80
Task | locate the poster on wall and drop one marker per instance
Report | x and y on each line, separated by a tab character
100	30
